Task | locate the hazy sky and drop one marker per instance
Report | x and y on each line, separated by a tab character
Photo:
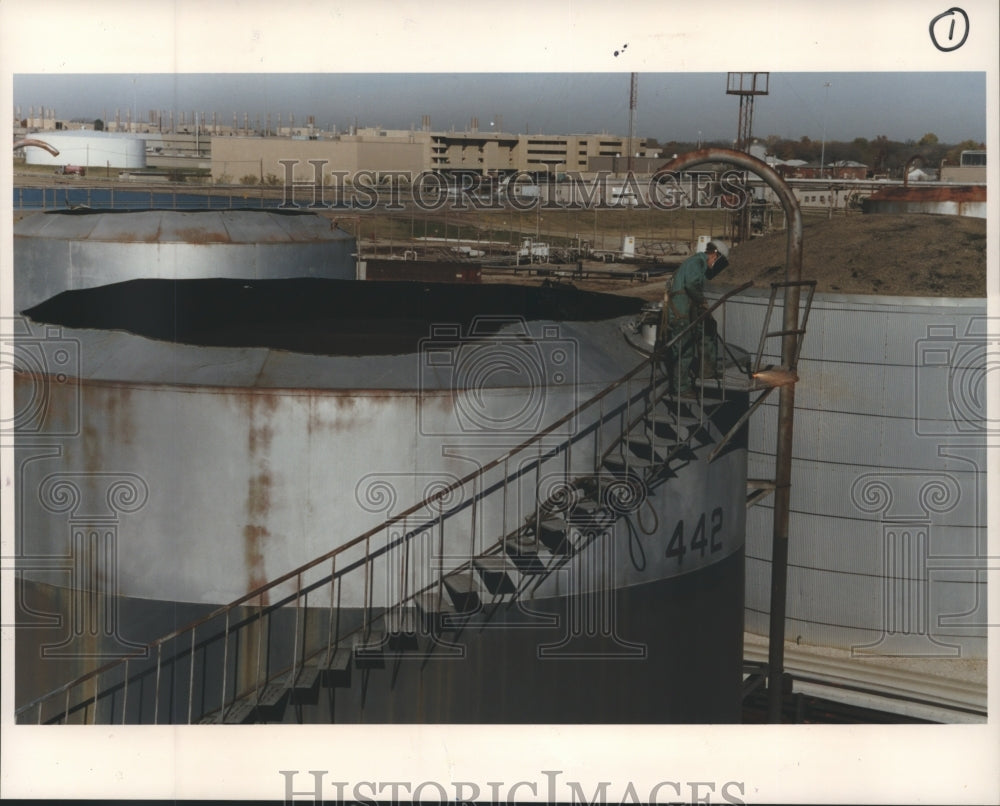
670	105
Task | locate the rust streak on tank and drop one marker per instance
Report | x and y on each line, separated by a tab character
259	495
253	539
958	194
198	235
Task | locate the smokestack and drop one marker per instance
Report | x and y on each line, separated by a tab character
474	125
425	123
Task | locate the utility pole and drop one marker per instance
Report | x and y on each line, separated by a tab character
746	86
822	148
633	97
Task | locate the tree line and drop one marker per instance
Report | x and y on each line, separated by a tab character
880	154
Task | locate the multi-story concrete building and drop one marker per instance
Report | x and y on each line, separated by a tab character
485	153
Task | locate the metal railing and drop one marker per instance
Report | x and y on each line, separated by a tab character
268	636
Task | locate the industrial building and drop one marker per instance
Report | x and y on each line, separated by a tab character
485	153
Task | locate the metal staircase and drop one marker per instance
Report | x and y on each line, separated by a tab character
277	646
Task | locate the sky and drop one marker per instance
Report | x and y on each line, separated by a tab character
671	106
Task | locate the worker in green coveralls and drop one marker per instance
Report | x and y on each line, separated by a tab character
684	302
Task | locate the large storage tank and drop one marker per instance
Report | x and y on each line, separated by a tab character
205	436
90	149
964	200
887	548
74	249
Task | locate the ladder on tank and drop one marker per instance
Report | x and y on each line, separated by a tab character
768	378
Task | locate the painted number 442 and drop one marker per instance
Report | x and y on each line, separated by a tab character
700	541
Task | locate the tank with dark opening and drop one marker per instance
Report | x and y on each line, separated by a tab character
298	497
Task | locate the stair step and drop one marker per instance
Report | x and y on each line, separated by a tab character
666	426
645	447
683	451
635	464
437	612
273	699
305	691
337	669
463	590
370	653
689	408
402	626
528	554
432	603
588	503
554	534
241	711
498	573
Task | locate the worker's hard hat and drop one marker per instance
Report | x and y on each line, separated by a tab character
721	248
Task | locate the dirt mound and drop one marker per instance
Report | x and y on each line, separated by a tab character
902	254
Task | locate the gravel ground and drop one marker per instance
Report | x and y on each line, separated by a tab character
894	255
906	255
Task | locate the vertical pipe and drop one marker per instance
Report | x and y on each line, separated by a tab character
402	566
506	483
295	636
329	637
191	678
225	664
156	700
441	549
260	643
125	693
472	540
653	400
364	613
538	502
569	457
786	403
599	453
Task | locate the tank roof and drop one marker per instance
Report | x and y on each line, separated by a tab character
317	333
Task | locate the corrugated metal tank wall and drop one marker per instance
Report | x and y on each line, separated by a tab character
887	552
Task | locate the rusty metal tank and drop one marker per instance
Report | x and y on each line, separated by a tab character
65	250
186	440
964	200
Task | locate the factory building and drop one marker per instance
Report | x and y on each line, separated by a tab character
486	153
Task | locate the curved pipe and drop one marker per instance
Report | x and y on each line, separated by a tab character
786	401
37	144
